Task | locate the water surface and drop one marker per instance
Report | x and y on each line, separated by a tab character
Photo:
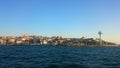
59	57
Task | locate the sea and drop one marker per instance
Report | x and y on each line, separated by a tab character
59	56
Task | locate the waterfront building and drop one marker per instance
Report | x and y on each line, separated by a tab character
44	42
18	40
1	41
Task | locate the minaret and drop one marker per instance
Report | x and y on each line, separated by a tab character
100	40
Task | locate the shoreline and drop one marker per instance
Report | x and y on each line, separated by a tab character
62	45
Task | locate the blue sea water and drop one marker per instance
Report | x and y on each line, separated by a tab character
59	57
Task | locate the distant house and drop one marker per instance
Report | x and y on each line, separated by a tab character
11	41
44	42
18	40
3	41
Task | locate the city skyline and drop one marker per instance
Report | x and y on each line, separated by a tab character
67	18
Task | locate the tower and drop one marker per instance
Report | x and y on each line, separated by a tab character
100	40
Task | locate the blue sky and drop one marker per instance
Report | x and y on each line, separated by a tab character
68	18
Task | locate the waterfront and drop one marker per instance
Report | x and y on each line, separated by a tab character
53	40
59	57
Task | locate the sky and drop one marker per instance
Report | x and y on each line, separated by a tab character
67	18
